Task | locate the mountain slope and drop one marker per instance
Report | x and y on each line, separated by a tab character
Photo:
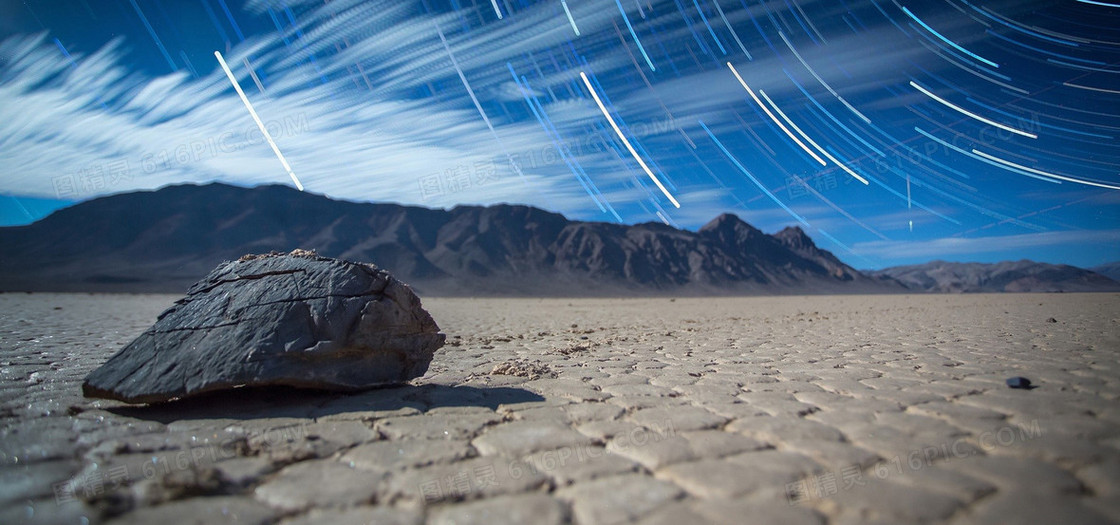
1009	276
166	239
1110	270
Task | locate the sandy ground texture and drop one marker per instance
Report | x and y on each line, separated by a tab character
866	409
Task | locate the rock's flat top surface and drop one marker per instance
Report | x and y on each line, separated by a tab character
788	410
277	319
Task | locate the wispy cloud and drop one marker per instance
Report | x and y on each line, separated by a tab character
108	130
365	102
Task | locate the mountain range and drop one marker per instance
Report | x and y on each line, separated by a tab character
1008	276
1110	270
165	240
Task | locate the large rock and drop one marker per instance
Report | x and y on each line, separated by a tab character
297	319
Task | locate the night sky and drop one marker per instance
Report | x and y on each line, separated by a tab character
892	131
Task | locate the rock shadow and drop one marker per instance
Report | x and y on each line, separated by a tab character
279	401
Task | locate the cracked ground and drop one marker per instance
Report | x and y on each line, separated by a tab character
840	409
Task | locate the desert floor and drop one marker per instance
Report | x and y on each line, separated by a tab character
841	409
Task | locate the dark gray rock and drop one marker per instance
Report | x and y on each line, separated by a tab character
298	320
1019	382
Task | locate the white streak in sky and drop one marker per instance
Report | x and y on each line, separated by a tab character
1102	90
570	19
635	36
980	158
811	141
253	113
729	28
775	119
971	114
496	10
821	80
254	75
1044	173
477	105
947	41
626	142
155	37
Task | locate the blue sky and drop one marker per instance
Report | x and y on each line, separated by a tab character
892	131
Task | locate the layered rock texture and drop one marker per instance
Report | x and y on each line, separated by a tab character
297	320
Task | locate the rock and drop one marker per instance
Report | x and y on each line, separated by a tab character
522	368
297	320
1019	382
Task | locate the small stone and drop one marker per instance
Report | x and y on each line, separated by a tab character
1019	382
297	320
522	368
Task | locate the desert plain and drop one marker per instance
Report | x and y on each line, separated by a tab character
800	409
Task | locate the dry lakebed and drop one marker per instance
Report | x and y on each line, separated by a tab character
805	409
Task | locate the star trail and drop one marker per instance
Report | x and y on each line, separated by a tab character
892	131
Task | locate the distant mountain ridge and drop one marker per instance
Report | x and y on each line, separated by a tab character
1110	270
164	240
1008	276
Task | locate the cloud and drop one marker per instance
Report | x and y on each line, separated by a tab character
77	129
365	102
510	92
